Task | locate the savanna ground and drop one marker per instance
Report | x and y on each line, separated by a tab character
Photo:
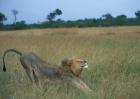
113	56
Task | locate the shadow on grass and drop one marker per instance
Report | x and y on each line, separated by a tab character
5	92
60	34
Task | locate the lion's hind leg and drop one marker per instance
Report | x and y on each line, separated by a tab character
36	78
30	75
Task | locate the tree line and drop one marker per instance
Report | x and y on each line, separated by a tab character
52	22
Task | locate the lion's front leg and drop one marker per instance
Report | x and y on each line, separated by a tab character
78	83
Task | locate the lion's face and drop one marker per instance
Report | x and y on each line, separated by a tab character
75	65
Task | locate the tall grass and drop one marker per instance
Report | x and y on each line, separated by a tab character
113	56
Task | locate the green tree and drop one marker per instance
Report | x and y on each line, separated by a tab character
20	25
2	18
121	17
107	16
15	12
137	14
53	14
106	20
58	12
121	20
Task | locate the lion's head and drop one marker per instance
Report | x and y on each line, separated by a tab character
74	65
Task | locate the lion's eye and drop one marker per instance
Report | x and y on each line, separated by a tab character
78	61
85	61
81	61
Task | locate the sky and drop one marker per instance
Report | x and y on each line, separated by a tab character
34	11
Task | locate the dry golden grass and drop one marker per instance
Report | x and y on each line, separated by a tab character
113	55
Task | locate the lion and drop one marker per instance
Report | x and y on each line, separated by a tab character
68	72
73	65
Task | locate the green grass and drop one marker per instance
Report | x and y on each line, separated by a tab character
114	64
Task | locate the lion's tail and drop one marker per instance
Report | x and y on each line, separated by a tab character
9	50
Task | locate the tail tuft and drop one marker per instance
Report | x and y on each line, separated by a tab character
4	68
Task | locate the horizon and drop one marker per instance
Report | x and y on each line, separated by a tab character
36	11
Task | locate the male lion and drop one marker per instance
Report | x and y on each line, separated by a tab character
36	69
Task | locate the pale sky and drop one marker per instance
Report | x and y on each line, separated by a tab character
33	11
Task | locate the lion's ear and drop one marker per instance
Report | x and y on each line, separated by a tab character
64	62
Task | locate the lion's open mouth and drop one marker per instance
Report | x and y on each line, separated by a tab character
85	65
